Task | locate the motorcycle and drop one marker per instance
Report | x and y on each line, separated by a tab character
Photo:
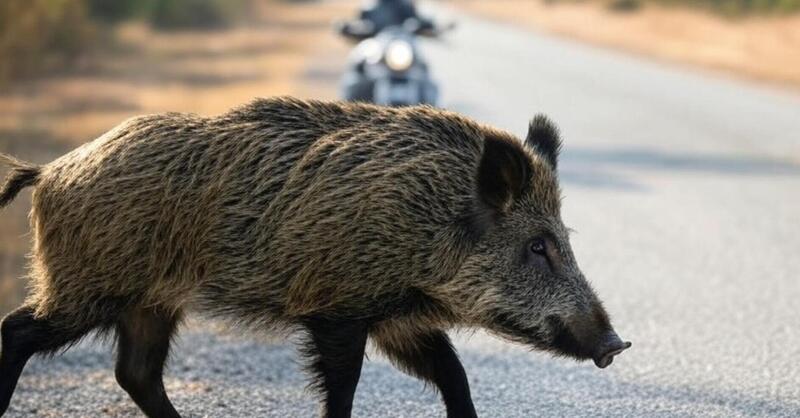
386	68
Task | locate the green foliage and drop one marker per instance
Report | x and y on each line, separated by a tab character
741	7
37	35
625	5
170	14
113	11
41	35
178	14
726	7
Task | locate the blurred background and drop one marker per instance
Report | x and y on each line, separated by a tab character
681	174
72	69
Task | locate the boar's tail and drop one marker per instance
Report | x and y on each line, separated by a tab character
21	176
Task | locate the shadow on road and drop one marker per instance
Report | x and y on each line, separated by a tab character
612	168
212	374
540	386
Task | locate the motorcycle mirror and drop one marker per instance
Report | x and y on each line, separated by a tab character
356	29
340	26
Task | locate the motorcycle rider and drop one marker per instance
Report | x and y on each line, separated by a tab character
376	15
384	68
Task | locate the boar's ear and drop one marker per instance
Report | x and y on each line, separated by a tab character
504	172
543	138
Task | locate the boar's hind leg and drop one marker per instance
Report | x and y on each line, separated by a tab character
24	335
336	350
430	356
144	336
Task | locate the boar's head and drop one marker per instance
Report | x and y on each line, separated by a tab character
521	280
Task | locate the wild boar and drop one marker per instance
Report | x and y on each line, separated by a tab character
348	222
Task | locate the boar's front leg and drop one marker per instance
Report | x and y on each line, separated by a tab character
336	350
430	356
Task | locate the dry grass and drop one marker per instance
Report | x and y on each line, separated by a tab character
200	72
766	48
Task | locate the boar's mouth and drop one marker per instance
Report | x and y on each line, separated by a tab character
600	345
507	325
564	341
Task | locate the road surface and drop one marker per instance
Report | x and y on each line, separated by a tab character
685	192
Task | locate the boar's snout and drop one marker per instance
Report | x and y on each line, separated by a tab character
609	346
587	335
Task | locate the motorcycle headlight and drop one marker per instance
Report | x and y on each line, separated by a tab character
399	55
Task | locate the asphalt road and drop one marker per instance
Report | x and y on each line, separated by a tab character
685	192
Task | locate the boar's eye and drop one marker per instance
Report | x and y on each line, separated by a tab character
537	246
537	254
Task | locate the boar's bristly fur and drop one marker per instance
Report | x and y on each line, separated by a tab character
346	221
